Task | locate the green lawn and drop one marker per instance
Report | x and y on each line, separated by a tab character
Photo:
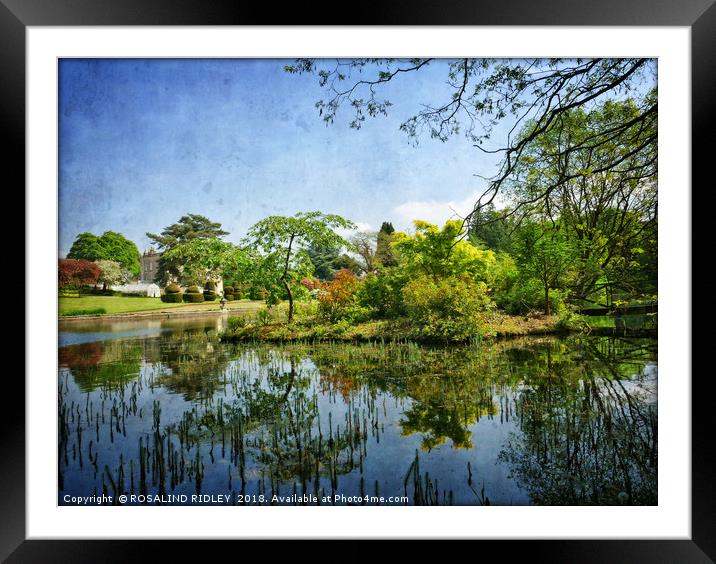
121	304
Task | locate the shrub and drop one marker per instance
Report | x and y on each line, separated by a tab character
173	289
384	293
229	293
229	297
264	316
193	295
172	294
336	298
450	309
528	295
235	323
209	291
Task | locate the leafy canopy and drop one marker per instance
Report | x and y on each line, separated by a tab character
109	246
443	252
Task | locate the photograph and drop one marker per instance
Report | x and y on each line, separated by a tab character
357	281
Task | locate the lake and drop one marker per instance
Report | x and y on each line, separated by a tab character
162	412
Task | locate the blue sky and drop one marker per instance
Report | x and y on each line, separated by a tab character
143	142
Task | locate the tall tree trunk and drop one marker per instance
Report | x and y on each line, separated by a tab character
285	282
290	299
546	300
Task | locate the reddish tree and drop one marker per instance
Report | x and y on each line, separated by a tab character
77	272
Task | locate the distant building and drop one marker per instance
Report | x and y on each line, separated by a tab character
149	264
147	289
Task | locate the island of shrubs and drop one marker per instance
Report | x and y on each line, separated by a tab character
174	294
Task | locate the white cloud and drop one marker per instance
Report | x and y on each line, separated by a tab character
433	211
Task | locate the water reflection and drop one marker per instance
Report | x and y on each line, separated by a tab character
531	421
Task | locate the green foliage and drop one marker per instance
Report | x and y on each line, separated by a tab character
173	288
234	323
449	309
282	241
172	294
188	229
95	311
264	317
444	252
111	246
385	254
527	294
383	293
546	255
209	296
193	297
208	259
338	299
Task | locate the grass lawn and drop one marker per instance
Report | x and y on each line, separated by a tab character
121	304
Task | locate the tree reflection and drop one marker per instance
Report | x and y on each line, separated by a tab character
587	436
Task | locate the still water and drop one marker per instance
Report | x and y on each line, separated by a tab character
162	412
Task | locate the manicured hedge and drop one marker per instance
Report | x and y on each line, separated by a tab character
209	296
172	294
193	295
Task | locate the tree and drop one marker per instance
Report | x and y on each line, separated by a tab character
482	93
488	227
188	228
365	245
384	254
120	249
203	260
111	273
111	246
547	255
283	241
609	212
441	253
77	272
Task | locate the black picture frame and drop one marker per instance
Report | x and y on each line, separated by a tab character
699	15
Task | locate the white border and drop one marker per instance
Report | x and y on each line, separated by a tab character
670	519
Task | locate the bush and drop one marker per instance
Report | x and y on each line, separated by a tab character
264	316
210	286
193	295
337	299
235	323
209	295
450	309
528	295
172	294
384	293
229	297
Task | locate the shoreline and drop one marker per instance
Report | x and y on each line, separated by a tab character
143	315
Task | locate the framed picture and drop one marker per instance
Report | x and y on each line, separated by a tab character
396	281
